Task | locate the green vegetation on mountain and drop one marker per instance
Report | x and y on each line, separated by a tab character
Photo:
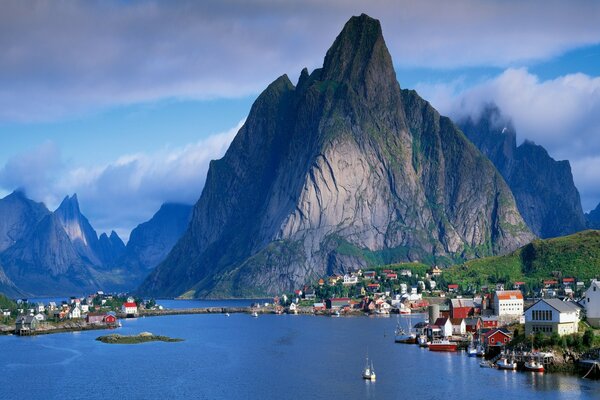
576	255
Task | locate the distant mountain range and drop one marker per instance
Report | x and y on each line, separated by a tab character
59	253
341	171
543	187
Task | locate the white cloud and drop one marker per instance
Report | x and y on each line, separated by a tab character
125	192
561	114
61	58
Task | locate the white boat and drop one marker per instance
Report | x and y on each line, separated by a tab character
255	314
534	365
402	309
486	364
480	351
504	363
422	340
369	371
402	336
472	350
227	314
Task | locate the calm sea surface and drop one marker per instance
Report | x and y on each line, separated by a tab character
270	357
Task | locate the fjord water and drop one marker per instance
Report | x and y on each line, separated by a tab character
270	357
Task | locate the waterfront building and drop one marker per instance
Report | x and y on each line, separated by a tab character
473	325
445	326
75	312
25	324
552	316
129	308
591	302
95	318
337	303
496	337
458	326
508	305
462	308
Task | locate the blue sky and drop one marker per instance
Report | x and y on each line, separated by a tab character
125	103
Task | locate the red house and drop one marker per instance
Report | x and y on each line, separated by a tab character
473	324
461	308
392	276
453	287
490	322
373	287
497	337
110	319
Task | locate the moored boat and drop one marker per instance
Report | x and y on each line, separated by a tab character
402	336
442	345
471	350
255	314
533	365
422	340
504	363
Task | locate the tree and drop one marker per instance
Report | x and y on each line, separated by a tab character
588	338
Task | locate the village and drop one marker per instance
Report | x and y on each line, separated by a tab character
95	311
547	330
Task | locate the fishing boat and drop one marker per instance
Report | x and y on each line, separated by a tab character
422	341
442	345
533	365
480	351
402	336
369	371
504	363
472	350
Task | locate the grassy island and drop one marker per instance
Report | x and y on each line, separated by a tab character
135	339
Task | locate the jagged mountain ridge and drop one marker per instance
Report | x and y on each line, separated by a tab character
341	165
59	253
543	187
593	218
18	217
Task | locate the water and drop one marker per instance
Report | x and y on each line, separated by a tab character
270	357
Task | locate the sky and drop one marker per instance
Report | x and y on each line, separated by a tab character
126	102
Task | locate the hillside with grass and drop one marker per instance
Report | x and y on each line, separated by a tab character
576	255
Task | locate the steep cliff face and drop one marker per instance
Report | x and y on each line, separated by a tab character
325	175
151	241
110	249
18	217
543	187
46	262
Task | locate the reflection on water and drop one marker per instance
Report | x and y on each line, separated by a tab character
271	357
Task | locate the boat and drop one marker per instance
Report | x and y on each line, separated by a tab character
402	309
422	340
369	371
472	350
480	351
336	314
401	336
255	314
533	365
486	364
442	345
227	314
504	363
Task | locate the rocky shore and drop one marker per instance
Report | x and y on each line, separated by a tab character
143	337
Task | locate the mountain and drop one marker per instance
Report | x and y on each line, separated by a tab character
110	249
79	230
340	171
543	187
47	262
593	218
150	242
18	217
576	255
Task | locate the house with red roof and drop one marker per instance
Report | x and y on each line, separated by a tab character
130	309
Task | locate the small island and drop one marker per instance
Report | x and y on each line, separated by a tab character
143	337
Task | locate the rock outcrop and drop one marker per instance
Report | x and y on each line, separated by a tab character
543	187
331	173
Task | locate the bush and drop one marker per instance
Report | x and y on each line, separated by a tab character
554	339
588	338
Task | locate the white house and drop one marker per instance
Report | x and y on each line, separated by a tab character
40	317
40	307
75	312
508	305
445	326
552	316
459	326
350	279
591	302
129	308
